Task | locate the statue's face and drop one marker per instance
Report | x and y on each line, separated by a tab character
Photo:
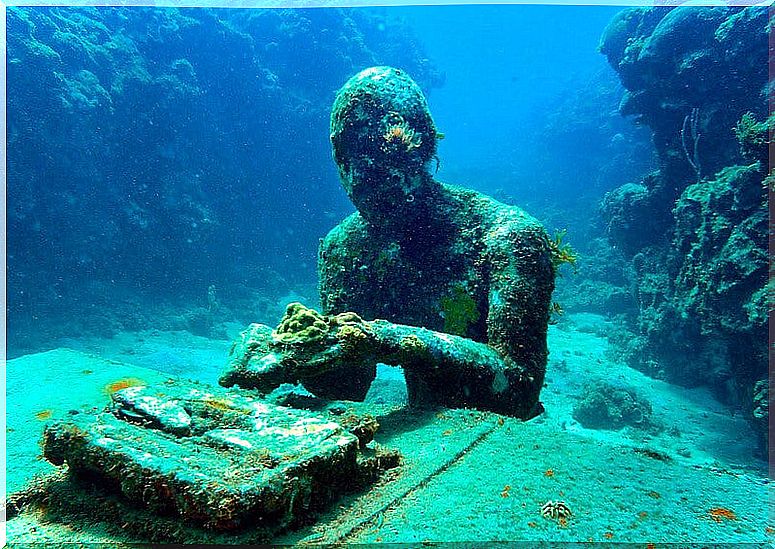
383	138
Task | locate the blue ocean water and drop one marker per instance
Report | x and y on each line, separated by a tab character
170	177
189	148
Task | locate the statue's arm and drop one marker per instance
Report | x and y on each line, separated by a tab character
341	259
308	344
308	347
503	375
521	285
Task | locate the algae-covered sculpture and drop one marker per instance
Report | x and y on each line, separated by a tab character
461	282
216	458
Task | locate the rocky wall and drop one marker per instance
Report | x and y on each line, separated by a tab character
695	230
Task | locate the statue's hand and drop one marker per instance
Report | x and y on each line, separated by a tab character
305	345
245	356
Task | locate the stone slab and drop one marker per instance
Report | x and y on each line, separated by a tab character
215	458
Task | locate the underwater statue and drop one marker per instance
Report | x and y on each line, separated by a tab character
462	283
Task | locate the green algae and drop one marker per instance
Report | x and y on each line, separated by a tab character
562	253
459	310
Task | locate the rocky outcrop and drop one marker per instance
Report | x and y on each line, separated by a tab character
695	230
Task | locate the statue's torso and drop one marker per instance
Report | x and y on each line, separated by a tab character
438	280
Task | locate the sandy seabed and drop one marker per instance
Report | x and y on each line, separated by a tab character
467	476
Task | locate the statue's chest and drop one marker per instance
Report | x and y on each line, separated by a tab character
440	291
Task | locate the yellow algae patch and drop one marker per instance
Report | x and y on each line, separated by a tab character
123	383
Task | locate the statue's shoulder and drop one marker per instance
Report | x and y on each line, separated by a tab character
350	231
515	218
506	218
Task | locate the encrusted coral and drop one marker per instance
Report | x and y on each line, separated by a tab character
351	338
352	332
606	406
363	427
413	344
400	132
301	324
753	135
346	318
412	349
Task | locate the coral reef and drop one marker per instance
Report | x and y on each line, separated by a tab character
176	126
606	406
695	230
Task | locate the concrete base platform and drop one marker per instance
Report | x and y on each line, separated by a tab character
212	457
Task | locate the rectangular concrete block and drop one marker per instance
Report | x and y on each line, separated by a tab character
216	458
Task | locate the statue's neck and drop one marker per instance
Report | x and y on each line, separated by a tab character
424	218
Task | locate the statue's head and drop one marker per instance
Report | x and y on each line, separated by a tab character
384	139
